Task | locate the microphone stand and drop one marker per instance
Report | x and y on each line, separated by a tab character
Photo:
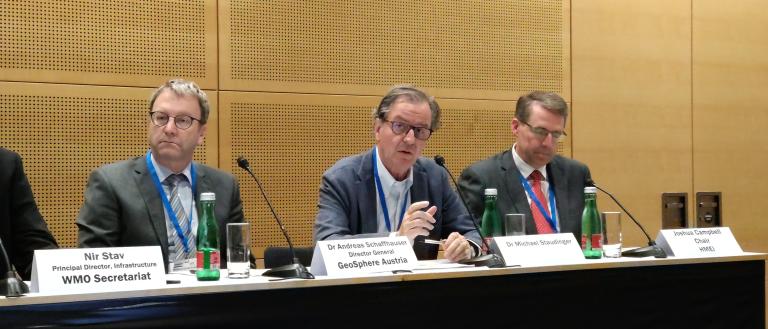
10	285
491	259
652	249
291	271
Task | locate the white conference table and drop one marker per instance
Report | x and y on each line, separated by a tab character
623	293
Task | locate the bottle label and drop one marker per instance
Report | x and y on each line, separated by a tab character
595	242
208	259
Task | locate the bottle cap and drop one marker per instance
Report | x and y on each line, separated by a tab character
207	196
590	189
491	191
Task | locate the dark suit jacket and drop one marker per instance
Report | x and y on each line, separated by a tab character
122	207
22	228
499	171
347	203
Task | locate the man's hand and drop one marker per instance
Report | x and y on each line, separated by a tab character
457	248
417	221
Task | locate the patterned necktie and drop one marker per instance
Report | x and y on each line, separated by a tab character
542	226
175	246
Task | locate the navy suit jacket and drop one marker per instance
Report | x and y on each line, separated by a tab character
499	171
22	228
123	208
347	203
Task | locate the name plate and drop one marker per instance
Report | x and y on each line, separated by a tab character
699	242
351	257
540	249
97	269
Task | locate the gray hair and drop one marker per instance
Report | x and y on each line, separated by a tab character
184	88
550	101
411	94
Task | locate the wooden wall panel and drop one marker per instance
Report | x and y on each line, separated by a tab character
457	49
108	42
631	102
730	80
63	132
61	58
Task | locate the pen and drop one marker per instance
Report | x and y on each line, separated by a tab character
430	241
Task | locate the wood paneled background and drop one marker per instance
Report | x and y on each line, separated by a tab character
292	85
665	95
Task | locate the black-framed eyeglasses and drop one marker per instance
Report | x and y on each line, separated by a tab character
543	132
400	128
183	121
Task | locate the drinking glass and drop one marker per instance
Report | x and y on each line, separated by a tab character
514	224
238	250
611	222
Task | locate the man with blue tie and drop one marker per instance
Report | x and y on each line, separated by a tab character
530	177
151	199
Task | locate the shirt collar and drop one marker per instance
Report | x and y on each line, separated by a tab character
524	168
163	172
387	181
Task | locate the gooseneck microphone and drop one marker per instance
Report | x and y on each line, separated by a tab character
10	285
491	260
652	249
291	271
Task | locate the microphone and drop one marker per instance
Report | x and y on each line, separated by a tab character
292	271
490	260
652	249
10	284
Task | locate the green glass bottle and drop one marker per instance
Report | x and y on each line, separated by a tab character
591	232
208	261
491	223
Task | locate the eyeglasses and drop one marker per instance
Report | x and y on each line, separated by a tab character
400	128
542	133
183	121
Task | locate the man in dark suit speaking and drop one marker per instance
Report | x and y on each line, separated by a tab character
150	200
530	177
390	190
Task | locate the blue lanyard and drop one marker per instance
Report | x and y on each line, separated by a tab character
382	199
550	219
167	204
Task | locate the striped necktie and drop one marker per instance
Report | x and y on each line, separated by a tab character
175	245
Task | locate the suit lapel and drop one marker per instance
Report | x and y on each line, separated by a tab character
420	192
151	197
367	190
557	179
202	182
517	196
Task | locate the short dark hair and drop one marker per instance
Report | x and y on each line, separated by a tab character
184	88
550	101
411	94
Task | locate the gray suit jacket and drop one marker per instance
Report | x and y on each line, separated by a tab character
499	171
123	208
347	203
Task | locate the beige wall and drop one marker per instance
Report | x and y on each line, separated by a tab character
632	102
667	98
665	94
730	83
292	85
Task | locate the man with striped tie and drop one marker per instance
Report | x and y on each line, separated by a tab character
151	199
530	177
